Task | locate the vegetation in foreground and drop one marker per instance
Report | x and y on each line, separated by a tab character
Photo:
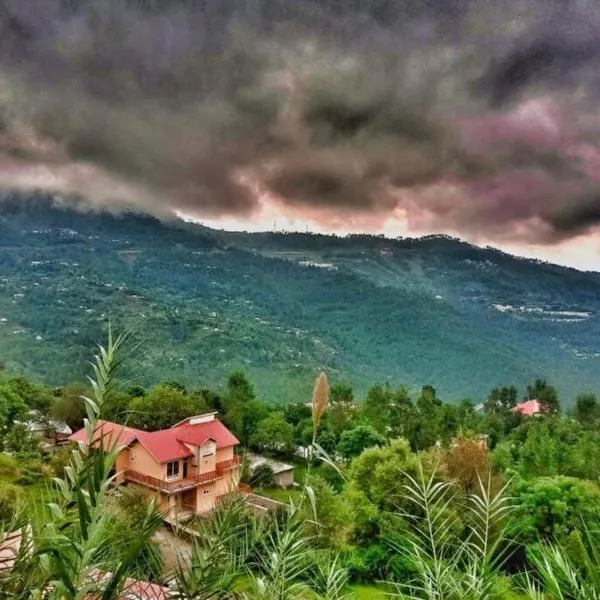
398	492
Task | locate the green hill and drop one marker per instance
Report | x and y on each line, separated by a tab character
281	306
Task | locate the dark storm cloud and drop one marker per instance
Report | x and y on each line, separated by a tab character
340	106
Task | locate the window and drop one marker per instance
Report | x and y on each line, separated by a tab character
173	469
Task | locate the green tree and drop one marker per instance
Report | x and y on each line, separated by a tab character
12	407
69	407
587	408
552	508
501	400
354	441
273	434
545	394
376	407
37	397
162	407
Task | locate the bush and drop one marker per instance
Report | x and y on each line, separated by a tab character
10	499
262	477
553	508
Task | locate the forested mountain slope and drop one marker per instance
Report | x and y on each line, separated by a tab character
428	311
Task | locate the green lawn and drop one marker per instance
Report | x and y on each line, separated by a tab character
367	592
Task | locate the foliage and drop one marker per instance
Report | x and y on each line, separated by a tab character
273	434
262	477
211	302
568	572
553	508
162	407
354	441
10	500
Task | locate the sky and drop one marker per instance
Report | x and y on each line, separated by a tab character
475	118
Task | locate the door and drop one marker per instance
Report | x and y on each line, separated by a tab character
185	468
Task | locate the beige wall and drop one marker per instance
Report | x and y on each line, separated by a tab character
122	464
285	479
205	498
142	461
228	483
224	454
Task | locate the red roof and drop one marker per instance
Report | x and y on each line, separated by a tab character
198	434
164	445
111	432
528	408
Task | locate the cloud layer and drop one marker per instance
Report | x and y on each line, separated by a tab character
473	116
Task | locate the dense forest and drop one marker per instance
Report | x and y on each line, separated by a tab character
284	306
400	493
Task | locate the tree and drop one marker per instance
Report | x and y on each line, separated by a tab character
69	407
296	412
501	400
239	389
545	394
273	434
244	418
162	407
21	442
12	407
587	408
376	408
554	507
354	441
37	397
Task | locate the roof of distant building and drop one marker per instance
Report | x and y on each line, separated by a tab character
528	408
167	444
255	460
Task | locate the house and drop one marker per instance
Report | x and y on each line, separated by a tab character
56	432
529	408
283	473
191	466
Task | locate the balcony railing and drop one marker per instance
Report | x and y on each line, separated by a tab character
225	465
178	485
164	485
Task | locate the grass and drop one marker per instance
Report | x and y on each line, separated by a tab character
367	592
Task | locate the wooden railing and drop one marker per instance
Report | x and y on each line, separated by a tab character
227	464
166	485
177	485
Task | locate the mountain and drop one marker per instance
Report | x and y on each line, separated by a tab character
368	309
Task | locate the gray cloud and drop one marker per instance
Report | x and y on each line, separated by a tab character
339	105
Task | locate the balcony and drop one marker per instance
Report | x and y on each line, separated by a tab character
179	485
164	485
226	465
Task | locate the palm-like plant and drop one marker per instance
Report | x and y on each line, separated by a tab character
71	557
444	568
562	577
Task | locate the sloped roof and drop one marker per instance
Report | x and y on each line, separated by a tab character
199	434
111	432
528	408
164	445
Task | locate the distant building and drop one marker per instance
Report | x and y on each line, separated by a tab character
529	408
191	465
55	432
283	473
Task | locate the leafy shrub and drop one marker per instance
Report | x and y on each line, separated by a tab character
554	507
262	477
10	499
